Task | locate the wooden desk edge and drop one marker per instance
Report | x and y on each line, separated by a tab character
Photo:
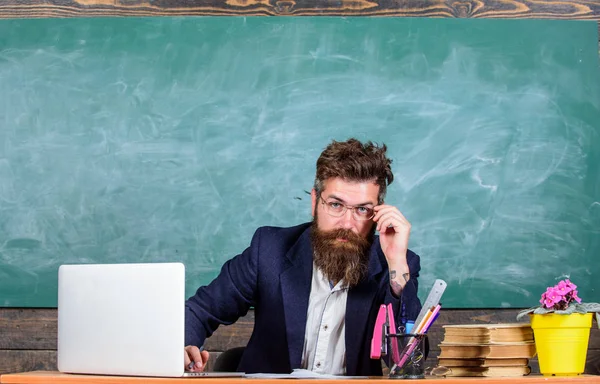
37	377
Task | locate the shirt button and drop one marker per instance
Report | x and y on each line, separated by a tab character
318	365
325	327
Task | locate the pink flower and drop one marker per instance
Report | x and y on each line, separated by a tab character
560	296
570	285
554	295
563	287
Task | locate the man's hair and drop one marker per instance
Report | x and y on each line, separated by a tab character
352	160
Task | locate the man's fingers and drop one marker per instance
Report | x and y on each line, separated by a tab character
193	355
391	223
384	224
387	212
382	210
391	219
200	361
186	359
205	356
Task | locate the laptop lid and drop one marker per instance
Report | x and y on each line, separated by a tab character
121	319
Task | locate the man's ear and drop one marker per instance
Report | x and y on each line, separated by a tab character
313	198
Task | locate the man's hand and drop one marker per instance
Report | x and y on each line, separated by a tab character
394	231
195	359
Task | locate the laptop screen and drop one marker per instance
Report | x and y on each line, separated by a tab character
121	319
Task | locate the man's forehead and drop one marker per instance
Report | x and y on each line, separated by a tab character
348	190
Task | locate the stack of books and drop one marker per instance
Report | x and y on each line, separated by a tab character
487	350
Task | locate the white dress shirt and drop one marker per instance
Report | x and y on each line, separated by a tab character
324	337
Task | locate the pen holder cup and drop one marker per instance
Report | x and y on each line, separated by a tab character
407	354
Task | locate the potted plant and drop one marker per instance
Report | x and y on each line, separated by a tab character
561	329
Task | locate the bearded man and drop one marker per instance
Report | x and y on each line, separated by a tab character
316	288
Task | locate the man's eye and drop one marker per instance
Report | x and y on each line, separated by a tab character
364	211
336	206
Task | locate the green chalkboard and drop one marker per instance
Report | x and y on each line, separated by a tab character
173	139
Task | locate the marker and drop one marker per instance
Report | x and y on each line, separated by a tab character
431	319
392	331
378	342
424	321
191	365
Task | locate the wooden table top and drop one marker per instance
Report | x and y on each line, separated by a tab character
66	378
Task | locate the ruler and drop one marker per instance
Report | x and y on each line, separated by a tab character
433	299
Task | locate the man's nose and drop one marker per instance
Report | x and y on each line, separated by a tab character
348	221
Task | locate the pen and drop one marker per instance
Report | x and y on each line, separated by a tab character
191	365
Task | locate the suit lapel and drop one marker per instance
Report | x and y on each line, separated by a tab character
358	310
295	290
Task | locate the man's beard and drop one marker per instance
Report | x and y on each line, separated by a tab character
339	260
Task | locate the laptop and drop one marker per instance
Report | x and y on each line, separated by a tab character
123	319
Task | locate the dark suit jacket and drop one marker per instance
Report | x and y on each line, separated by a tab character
274	276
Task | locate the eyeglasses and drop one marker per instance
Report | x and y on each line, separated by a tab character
337	209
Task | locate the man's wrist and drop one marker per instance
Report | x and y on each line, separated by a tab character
398	280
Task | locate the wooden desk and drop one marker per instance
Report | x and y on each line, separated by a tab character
62	378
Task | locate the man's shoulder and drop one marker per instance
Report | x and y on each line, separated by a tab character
281	235
272	242
284	231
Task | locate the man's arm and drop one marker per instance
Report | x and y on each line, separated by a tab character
226	298
406	306
397	284
408	295
394	232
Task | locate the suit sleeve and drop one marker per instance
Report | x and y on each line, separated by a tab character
226	298
412	304
408	306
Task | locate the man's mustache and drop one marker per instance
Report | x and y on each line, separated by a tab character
343	233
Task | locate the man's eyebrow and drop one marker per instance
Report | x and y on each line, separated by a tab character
344	201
